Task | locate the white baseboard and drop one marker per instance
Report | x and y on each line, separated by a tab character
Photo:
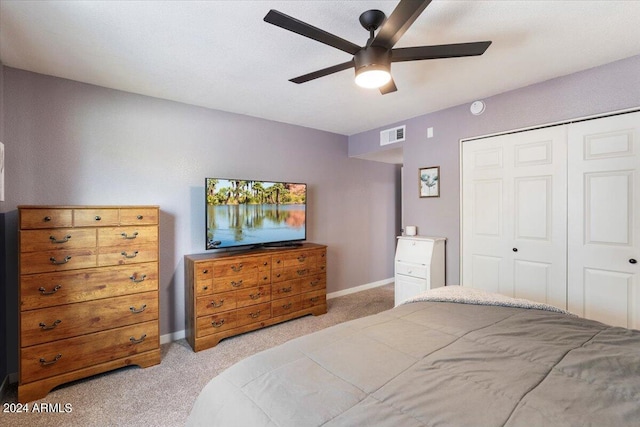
360	288
177	335
172	336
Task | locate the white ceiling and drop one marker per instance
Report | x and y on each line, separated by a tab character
221	55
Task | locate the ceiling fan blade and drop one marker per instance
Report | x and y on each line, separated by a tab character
389	87
439	51
322	73
399	22
281	20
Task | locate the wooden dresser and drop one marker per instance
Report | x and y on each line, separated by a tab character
88	293
231	293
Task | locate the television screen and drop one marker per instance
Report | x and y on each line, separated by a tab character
241	212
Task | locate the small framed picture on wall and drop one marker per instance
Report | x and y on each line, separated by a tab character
429	181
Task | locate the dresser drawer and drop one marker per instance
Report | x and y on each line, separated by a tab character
220	322
295	259
138	216
239	281
50	289
211	304
235	267
253	314
126	236
292	273
66	321
40	262
252	296
203	278
280	307
56	239
128	254
54	358
317	281
45	218
311	299
264	263
414	270
285	289
99	217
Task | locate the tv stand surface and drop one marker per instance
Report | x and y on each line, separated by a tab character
229	293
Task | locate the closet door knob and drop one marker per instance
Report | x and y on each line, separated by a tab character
515	249
632	261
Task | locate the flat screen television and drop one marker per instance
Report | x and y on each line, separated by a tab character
254	213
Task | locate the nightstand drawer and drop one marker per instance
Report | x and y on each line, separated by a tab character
414	270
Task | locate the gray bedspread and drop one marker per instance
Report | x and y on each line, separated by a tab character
437	363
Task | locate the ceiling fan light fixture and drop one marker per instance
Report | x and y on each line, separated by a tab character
373	67
373	76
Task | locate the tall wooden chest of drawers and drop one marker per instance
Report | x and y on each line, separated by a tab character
232	293
88	293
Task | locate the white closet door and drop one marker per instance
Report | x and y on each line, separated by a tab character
514	215
604	213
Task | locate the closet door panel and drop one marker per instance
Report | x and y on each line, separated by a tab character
514	214
604	211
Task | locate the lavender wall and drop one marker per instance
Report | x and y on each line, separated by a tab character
73	143
611	87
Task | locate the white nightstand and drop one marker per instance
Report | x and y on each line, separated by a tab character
419	265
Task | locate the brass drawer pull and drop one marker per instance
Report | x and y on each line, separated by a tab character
302	272
314	282
217	304
56	262
65	239
138	341
43	291
136	280
314	299
285	290
287	306
236	284
237	268
46	219
255	296
302	258
133	236
255	315
44	362
44	327
140	310
124	254
217	324
139	217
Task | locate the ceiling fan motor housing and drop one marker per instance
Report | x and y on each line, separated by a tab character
373	57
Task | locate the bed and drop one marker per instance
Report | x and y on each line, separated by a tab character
452	356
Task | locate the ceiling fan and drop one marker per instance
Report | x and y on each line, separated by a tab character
372	62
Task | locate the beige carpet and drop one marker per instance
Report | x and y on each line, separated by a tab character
162	395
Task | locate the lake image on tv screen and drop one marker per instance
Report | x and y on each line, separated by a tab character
254	212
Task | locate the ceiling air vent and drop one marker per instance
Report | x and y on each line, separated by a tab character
389	136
